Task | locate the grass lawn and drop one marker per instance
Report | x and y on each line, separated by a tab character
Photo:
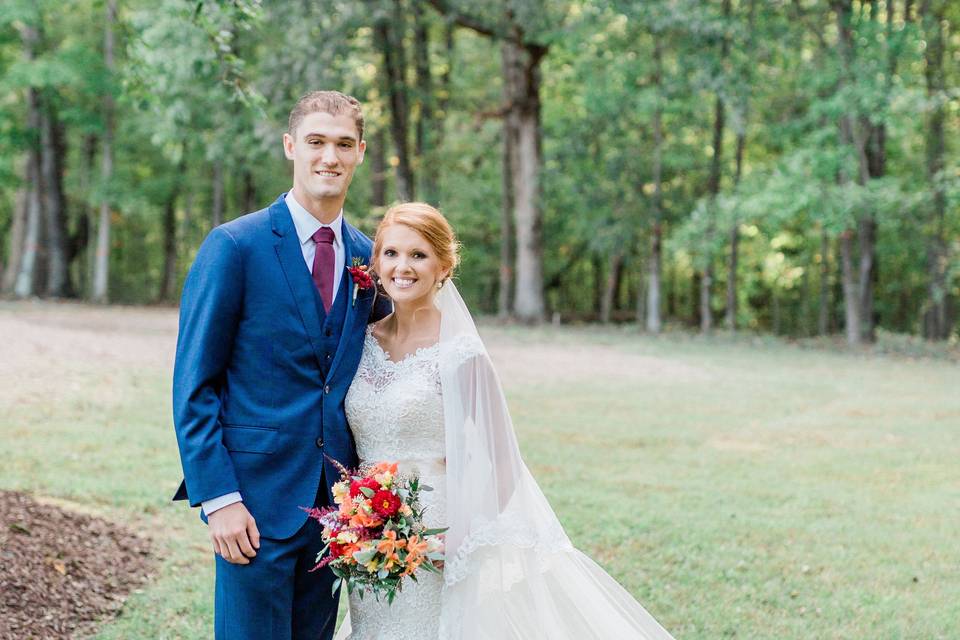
739	488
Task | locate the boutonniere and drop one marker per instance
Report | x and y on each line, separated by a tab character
361	278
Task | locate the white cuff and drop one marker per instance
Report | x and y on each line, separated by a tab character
209	506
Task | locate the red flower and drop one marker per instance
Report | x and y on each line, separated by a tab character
385	503
336	550
360	277
369	483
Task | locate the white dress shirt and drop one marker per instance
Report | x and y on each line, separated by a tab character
306	225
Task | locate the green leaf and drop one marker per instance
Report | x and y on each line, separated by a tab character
363	557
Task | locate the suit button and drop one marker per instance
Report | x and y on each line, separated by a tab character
326	389
319	443
328	357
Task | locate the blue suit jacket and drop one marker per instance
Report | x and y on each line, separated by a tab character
252	410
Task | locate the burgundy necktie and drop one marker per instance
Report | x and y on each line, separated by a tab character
323	263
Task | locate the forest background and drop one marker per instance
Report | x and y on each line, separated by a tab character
783	166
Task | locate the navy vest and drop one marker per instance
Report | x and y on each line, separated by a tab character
332	323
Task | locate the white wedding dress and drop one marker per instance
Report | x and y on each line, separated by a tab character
510	571
395	411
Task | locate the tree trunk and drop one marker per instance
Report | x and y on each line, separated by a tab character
597	306
169	249
216	213
706	313
101	273
823	318
641	302
851	293
937	320
523	86
18	228
654	322
86	243
169	275
713	188
523	89
25	284
443	97
730	317
388	33
695	308
508	161
426	124
612	288
776	319
852	133
249	191
378	159
673	292
867	231
52	154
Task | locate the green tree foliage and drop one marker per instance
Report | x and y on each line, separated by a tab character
839	144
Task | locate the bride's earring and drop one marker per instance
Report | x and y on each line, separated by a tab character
440	284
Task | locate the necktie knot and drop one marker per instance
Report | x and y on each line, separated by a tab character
323	235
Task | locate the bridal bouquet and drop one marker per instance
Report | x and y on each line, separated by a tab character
375	535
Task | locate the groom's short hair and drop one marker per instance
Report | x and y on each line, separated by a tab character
332	102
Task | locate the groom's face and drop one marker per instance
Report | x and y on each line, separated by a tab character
325	150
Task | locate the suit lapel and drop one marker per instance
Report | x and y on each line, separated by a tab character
287	246
351	319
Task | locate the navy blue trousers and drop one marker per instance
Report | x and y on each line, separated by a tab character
275	597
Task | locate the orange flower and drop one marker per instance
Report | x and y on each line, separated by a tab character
362	519
346	508
389	545
349	549
417	546
413	563
382	467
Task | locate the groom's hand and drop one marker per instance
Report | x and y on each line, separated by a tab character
234	533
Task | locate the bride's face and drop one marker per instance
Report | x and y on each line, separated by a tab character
408	266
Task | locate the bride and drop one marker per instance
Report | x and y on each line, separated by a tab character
426	396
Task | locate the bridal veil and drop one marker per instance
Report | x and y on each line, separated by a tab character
510	570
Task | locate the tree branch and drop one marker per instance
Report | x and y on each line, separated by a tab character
515	34
468	21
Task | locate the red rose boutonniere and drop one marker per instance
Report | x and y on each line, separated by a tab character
361	278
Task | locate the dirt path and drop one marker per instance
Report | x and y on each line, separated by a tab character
74	340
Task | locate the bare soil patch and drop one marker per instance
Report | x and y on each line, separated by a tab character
61	572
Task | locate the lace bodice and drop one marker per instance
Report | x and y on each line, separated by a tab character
395	411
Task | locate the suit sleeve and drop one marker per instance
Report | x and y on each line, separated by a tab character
210	309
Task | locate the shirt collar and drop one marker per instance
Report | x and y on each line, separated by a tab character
307	225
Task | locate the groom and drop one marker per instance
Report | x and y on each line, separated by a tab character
270	338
